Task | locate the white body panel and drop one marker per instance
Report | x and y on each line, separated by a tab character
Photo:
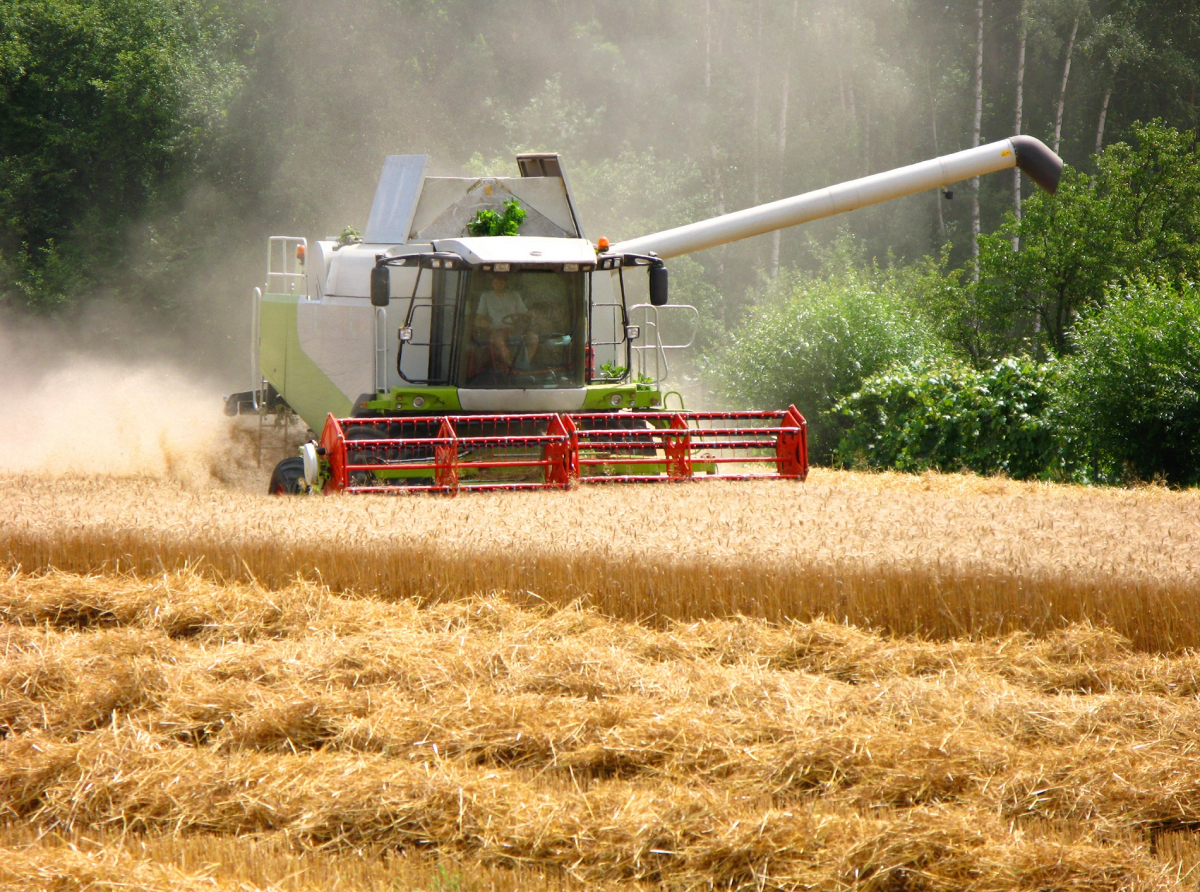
520	249
350	267
320	257
337	335
825	202
350	270
561	399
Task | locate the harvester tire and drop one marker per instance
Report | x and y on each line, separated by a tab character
288	478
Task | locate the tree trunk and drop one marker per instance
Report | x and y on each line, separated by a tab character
936	153
755	156
975	135
707	48
719	252
783	132
1104	110
1017	118
1062	90
714	154
868	166
852	112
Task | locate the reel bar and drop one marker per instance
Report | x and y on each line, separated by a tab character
473	453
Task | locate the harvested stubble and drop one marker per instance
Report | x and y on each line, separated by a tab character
938	556
123	862
726	753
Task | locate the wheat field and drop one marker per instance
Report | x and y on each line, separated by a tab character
940	556
174	732
874	682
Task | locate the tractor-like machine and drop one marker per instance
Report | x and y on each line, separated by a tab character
431	359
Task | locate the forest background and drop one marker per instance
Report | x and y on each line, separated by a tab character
149	147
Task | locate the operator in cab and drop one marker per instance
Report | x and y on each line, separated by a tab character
503	321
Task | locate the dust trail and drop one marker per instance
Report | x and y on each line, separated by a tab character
75	415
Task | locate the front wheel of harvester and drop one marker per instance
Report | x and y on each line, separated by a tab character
288	478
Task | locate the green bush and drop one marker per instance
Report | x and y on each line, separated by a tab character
1130	394
813	340
952	417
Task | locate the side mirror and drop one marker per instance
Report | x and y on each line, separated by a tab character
658	285
381	286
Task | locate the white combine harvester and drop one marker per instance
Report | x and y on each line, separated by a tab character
434	360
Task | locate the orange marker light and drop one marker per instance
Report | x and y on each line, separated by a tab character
602	245
300	253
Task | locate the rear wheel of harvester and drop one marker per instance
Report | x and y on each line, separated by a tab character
288	478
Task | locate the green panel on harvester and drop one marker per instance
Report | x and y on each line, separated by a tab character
305	387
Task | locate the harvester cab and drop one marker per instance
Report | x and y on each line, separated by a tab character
514	321
433	358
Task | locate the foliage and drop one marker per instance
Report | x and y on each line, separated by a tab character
613	371
951	417
350	236
1138	215
1131	391
1124	406
488	222
104	107
814	340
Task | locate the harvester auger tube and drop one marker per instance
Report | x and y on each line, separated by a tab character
1038	162
1026	152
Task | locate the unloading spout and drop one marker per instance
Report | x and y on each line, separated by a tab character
1042	166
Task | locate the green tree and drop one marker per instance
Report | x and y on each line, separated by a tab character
103	107
1138	215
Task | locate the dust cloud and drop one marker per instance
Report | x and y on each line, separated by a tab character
80	415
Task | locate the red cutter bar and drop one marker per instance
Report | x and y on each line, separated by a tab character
453	453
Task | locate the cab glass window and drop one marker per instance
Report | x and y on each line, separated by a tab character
524	329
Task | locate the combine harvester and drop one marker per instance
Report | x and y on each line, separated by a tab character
431	360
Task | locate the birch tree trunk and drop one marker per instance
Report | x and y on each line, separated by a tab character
1062	90
1020	108
783	132
975	135
707	49
713	152
936	153
1112	74
755	155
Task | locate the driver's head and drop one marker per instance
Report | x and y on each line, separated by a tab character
499	283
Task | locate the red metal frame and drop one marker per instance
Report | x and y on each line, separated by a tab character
597	447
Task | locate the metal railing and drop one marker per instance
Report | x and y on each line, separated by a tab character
256	376
381	350
648	354
285	265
